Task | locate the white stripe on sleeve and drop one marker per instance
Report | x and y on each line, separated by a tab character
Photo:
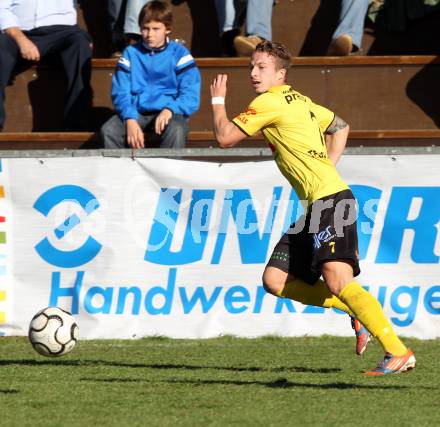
185	59
124	61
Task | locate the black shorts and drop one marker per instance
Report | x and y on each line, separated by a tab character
327	232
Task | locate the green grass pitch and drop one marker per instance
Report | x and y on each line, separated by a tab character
216	382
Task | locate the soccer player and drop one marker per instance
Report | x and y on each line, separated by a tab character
307	141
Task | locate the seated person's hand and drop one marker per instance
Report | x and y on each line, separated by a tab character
162	120
28	49
135	134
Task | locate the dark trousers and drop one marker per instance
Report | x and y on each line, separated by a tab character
72	45
114	131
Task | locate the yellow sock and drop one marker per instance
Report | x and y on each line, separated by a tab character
369	312
317	294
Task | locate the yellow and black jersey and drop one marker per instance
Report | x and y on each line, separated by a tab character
293	126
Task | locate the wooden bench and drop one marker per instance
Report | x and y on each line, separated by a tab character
205	139
368	92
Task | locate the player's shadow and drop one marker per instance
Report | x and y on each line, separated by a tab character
8	391
279	383
284	383
239	368
74	362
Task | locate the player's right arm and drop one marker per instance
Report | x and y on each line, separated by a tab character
226	133
335	138
335	131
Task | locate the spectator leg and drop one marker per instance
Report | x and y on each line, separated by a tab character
176	133
8	58
76	58
131	25
113	133
351	20
259	18
227	15
116	17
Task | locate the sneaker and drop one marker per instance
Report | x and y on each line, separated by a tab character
363	337
341	46
245	46
394	364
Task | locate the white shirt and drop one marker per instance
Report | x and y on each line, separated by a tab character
29	14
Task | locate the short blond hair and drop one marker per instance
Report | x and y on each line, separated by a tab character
278	51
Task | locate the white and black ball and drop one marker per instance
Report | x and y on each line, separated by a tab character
53	332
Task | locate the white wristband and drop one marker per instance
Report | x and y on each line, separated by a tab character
217	100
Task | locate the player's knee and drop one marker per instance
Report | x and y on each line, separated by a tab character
337	274
272	283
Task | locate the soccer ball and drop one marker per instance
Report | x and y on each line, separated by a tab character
53	332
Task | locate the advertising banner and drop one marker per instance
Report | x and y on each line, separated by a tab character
177	248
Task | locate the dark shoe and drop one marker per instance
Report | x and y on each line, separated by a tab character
227	42
131	38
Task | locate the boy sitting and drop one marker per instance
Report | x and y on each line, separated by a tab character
156	86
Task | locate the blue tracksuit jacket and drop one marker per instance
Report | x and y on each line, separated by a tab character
147	81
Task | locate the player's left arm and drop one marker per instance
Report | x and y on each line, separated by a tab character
226	132
335	138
